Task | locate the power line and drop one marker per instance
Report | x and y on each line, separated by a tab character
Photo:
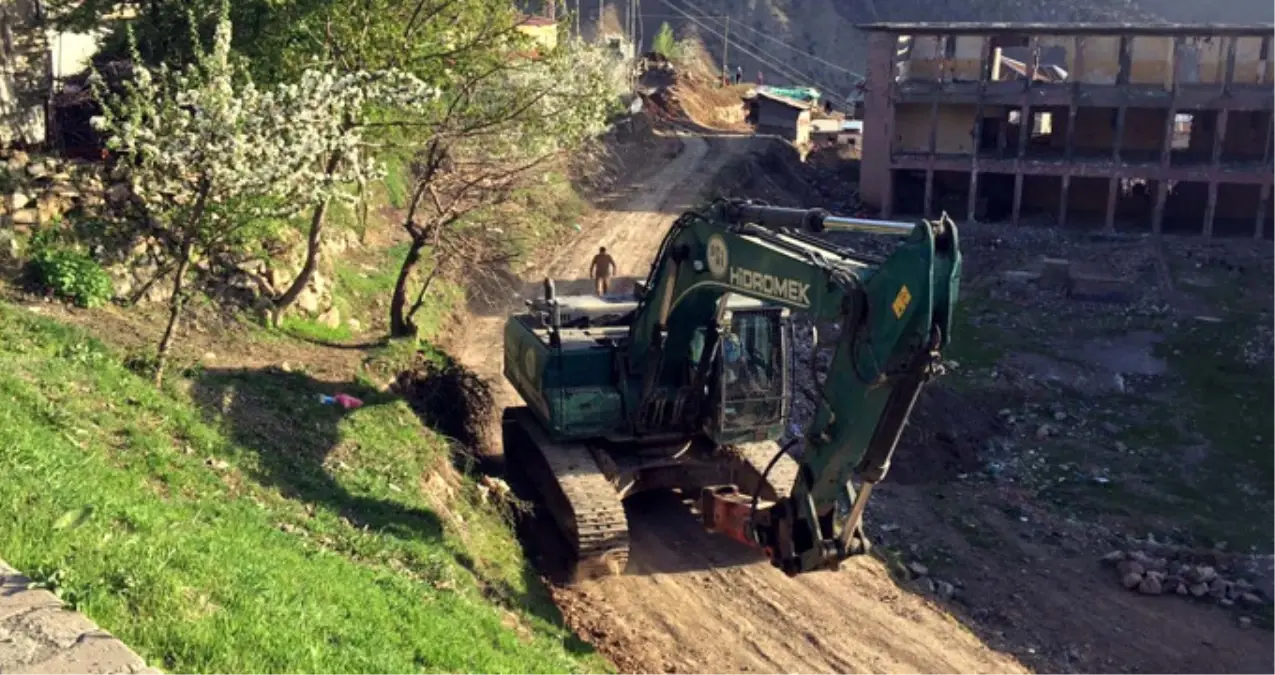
783	70
795	49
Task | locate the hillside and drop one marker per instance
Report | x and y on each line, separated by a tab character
768	34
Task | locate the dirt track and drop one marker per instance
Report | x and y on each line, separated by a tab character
692	602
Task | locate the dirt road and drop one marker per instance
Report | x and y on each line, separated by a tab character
699	603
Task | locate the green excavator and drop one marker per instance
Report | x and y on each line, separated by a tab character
687	384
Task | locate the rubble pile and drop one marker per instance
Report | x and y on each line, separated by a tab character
1181	574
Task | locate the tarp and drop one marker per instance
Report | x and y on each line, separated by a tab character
806	94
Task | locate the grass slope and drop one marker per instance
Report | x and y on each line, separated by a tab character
269	535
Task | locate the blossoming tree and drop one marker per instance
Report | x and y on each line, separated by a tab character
209	154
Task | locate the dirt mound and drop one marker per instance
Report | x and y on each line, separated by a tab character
688	98
451	399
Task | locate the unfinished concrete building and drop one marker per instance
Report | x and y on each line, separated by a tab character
1163	129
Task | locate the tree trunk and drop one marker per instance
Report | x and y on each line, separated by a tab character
175	306
401	324
283	302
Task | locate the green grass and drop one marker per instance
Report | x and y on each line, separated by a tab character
274	534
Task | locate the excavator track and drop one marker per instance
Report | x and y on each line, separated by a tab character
585	505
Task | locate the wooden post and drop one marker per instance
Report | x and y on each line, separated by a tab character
972	206
1157	213
1125	60
934	126
1215	160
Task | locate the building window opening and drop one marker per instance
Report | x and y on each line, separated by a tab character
1182	131
1042	124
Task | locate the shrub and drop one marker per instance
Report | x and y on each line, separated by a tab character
73	276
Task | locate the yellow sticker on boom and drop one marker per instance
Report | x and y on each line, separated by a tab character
901	302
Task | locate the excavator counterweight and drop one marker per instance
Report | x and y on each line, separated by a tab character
688	384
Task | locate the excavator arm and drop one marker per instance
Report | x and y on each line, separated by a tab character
893	317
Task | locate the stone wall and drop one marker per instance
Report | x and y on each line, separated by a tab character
39	192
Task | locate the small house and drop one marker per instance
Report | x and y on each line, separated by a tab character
780	115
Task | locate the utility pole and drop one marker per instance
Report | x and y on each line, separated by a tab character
725	46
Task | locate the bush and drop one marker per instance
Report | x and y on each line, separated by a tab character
73	276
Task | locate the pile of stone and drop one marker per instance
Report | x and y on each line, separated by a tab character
40	190
1159	575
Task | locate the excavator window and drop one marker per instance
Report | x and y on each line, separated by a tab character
752	372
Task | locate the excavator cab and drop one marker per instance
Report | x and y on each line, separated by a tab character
750	377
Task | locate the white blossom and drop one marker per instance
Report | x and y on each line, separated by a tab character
209	129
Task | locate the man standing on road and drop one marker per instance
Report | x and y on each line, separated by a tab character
739	74
601	270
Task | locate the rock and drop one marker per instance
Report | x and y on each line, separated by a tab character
218	464
10	246
1113	558
1121	447
1251	600
18	161
331	318
1218	588
354	325
1181	589
1060	416
25	217
923	585
1245	622
1150	585
1226	602
944	589
1128	567
1042	432
118	193
1202	574
918	569
18	200
285	367
38	170
1199	590
1131	580
1110	427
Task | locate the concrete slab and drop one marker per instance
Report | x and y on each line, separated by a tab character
38	635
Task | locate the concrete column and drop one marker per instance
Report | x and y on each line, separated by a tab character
972	207
1228	77
929	193
1259	224
1125	59
1210	209
1119	133
1113	190
1157	212
1063	196
1077	65
1018	197
1215	160
934	127
878	123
